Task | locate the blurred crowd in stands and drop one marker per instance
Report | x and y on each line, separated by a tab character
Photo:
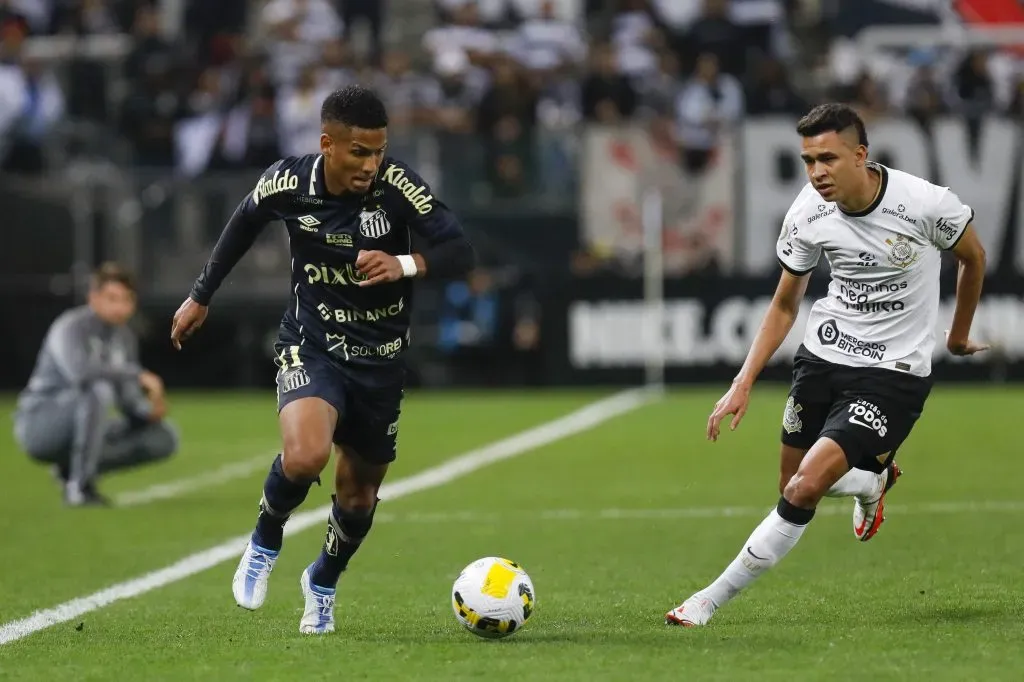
492	92
199	85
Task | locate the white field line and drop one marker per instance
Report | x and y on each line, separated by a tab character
581	420
672	513
184	486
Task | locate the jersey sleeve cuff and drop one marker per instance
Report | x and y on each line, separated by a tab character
961	235
200	296
793	271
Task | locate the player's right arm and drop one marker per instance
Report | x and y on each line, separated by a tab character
798	259
775	327
240	233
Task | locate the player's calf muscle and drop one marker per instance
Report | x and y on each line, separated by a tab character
307	429
356	482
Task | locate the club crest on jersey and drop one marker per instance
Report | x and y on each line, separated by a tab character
292	379
791	417
902	254
374	224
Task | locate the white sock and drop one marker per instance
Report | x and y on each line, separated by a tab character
765	547
857	483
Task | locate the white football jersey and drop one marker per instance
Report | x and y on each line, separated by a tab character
882	303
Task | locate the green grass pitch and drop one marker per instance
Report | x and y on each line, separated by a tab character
615	526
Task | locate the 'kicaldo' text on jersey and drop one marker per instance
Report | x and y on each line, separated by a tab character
882	303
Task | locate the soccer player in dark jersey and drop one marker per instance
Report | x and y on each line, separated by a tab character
349	211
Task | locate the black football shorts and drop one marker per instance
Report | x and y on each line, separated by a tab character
868	411
368	413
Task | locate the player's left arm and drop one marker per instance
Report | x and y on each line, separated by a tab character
970	278
448	253
953	230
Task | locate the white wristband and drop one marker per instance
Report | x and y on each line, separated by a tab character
408	265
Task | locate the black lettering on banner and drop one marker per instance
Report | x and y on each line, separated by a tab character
608	332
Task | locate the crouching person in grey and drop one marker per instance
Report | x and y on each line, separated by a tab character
89	407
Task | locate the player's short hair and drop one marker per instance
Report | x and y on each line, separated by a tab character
832	118
356	107
112	273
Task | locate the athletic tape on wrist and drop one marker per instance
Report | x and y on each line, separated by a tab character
408	265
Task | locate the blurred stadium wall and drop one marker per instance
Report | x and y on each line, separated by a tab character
129	130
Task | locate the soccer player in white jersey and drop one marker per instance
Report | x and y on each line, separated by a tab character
862	374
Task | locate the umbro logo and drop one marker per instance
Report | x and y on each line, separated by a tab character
308	223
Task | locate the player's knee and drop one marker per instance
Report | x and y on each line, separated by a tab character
356	489
305	458
357	498
803	490
357	482
784	478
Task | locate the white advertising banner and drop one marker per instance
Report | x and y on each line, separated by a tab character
694	332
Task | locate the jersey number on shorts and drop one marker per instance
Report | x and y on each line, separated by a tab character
289	358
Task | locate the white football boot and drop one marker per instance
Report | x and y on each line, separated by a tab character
869	515
250	582
694	612
318	617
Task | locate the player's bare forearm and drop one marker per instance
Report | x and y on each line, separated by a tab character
775	327
969	282
421	264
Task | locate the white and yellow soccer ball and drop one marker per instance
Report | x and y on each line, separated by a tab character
493	597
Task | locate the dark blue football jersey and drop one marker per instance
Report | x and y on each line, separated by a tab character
357	326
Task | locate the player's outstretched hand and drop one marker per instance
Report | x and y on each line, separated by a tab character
734	402
378	267
187	321
964	346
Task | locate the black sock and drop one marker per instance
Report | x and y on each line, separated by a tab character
281	496
346	530
795	515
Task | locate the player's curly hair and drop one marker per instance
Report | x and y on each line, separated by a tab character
832	117
355	107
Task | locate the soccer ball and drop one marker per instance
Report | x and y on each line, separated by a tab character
493	597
